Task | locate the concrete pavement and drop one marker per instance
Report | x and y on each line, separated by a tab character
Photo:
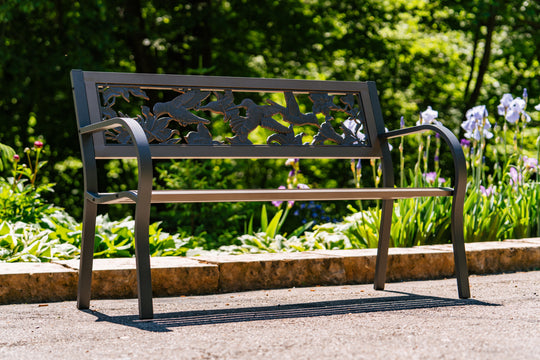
409	320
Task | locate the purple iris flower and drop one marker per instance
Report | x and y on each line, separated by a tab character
477	124
512	108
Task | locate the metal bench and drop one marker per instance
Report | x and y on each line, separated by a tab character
343	121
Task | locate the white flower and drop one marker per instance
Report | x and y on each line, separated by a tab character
355	128
389	145
291	162
505	103
478	113
428	117
537	107
517	108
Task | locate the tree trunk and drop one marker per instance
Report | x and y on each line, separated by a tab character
484	63
135	35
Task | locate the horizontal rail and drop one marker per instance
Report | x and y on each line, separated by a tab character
241	152
167	81
249	195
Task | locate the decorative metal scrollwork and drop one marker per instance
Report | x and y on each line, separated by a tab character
165	122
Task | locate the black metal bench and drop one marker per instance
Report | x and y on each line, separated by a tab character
344	121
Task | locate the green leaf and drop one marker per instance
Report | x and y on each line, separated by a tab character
272	228
264	219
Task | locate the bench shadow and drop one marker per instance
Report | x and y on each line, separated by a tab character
162	322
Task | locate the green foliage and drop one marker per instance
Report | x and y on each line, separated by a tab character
58	237
420	52
6	155
201	219
21	194
448	54
117	239
54	238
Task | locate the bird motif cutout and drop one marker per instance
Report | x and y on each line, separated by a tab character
224	105
291	113
179	108
256	115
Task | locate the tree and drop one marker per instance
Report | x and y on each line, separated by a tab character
448	54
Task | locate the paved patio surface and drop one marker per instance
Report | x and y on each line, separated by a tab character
409	320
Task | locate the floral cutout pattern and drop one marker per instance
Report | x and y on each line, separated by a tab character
193	109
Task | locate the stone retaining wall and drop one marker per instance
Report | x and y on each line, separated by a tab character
176	276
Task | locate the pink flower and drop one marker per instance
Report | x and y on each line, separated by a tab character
38	144
431	178
490	190
16	157
531	164
515	177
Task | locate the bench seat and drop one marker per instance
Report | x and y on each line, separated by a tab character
240	195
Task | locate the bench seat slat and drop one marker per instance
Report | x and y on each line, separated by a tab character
220	195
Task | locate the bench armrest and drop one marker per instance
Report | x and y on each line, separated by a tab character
140	141
460	166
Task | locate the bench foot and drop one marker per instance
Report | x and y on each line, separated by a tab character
142	253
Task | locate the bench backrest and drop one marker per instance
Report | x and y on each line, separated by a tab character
187	116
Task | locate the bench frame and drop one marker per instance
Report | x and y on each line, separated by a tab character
92	125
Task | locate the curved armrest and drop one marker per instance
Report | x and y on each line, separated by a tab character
140	141
460	167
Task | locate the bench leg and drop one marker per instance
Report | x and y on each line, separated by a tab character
87	254
458	243
384	241
142	253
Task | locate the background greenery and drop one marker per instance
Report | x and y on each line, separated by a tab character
450	55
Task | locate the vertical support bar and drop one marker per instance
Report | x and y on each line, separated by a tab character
142	218
384	241
458	201
90	185
87	254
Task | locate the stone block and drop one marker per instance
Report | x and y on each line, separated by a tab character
403	264
36	282
171	276
490	258
280	270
